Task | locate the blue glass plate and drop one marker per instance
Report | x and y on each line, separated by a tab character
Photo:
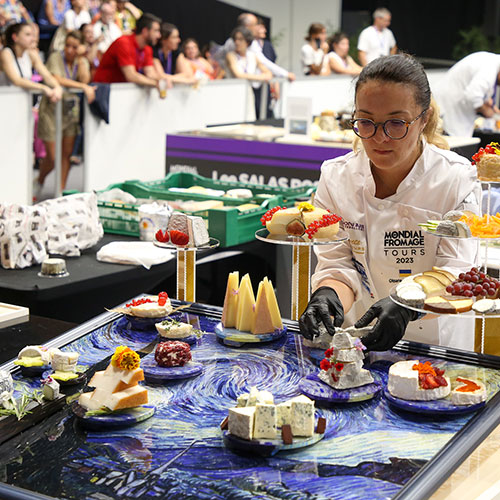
314	388
138	323
159	374
82	377
235	338
121	418
190	339
438	406
268	447
316	354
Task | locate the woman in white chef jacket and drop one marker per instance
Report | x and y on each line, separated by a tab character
399	175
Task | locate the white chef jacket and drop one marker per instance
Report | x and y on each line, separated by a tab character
464	88
376	43
385	242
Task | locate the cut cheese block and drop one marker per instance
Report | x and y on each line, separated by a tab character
174	329
267	317
284	413
302	415
63	361
230	308
114	380
404	383
128	398
468	392
241	421
246	305
431	285
448	305
265	421
449	275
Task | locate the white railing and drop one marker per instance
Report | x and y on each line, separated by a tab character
133	144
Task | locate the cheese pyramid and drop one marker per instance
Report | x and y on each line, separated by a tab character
117	386
243	312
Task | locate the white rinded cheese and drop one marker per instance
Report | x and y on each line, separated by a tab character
240	422
302	412
242	400
348	355
63	361
50	390
174	329
469	398
151	310
265	397
265	421
343	340
33	351
284	413
403	383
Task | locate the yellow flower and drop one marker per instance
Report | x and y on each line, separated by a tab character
496	147
305	207
115	359
130	360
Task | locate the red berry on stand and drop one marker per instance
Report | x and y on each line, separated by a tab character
179	238
162	236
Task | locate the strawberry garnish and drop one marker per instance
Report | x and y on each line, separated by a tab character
162	298
179	238
162	236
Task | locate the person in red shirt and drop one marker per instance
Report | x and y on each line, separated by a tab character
130	57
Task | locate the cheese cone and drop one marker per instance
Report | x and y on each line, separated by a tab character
246	305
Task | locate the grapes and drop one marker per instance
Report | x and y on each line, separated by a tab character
474	283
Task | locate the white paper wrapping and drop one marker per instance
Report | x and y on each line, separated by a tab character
142	253
23	235
73	223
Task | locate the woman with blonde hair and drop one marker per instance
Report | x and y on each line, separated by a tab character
398	175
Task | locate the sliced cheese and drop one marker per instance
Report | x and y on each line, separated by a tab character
230	308
459	397
246	305
302	416
241	422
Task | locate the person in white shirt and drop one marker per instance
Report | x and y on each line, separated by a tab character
398	175
339	59
106	30
77	16
376	40
467	91
250	22
313	53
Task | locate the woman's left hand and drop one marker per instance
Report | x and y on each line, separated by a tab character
89	92
57	94
390	327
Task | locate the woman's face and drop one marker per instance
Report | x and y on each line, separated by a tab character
70	49
240	44
88	34
25	38
381	101
322	35
342	48
172	42
261	31
191	50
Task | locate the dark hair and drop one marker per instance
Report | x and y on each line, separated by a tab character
245	32
190	40
146	21
338	37
260	21
167	29
314	29
11	30
406	70
77	35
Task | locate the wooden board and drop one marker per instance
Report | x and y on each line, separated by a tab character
9	312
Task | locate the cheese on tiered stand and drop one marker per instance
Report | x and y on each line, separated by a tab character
342	367
117	386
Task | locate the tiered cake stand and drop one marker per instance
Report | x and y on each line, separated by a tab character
186	267
301	265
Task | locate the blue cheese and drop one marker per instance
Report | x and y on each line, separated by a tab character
265	397
252	397
284	413
302	412
242	399
240	422
265	423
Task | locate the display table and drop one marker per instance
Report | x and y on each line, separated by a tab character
370	450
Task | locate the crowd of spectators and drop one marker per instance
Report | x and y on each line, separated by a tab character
90	42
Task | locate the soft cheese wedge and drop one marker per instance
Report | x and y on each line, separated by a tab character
230	308
468	392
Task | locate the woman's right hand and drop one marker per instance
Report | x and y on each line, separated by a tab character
89	92
324	304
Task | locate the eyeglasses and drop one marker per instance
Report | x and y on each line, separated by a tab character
394	128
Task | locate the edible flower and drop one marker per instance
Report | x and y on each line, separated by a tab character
339	366
493	148
125	358
359	345
325	364
329	353
305	207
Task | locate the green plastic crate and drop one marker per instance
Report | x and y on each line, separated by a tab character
228	224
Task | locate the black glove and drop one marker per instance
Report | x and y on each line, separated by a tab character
390	326
324	303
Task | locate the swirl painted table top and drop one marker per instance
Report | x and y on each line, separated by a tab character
370	449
